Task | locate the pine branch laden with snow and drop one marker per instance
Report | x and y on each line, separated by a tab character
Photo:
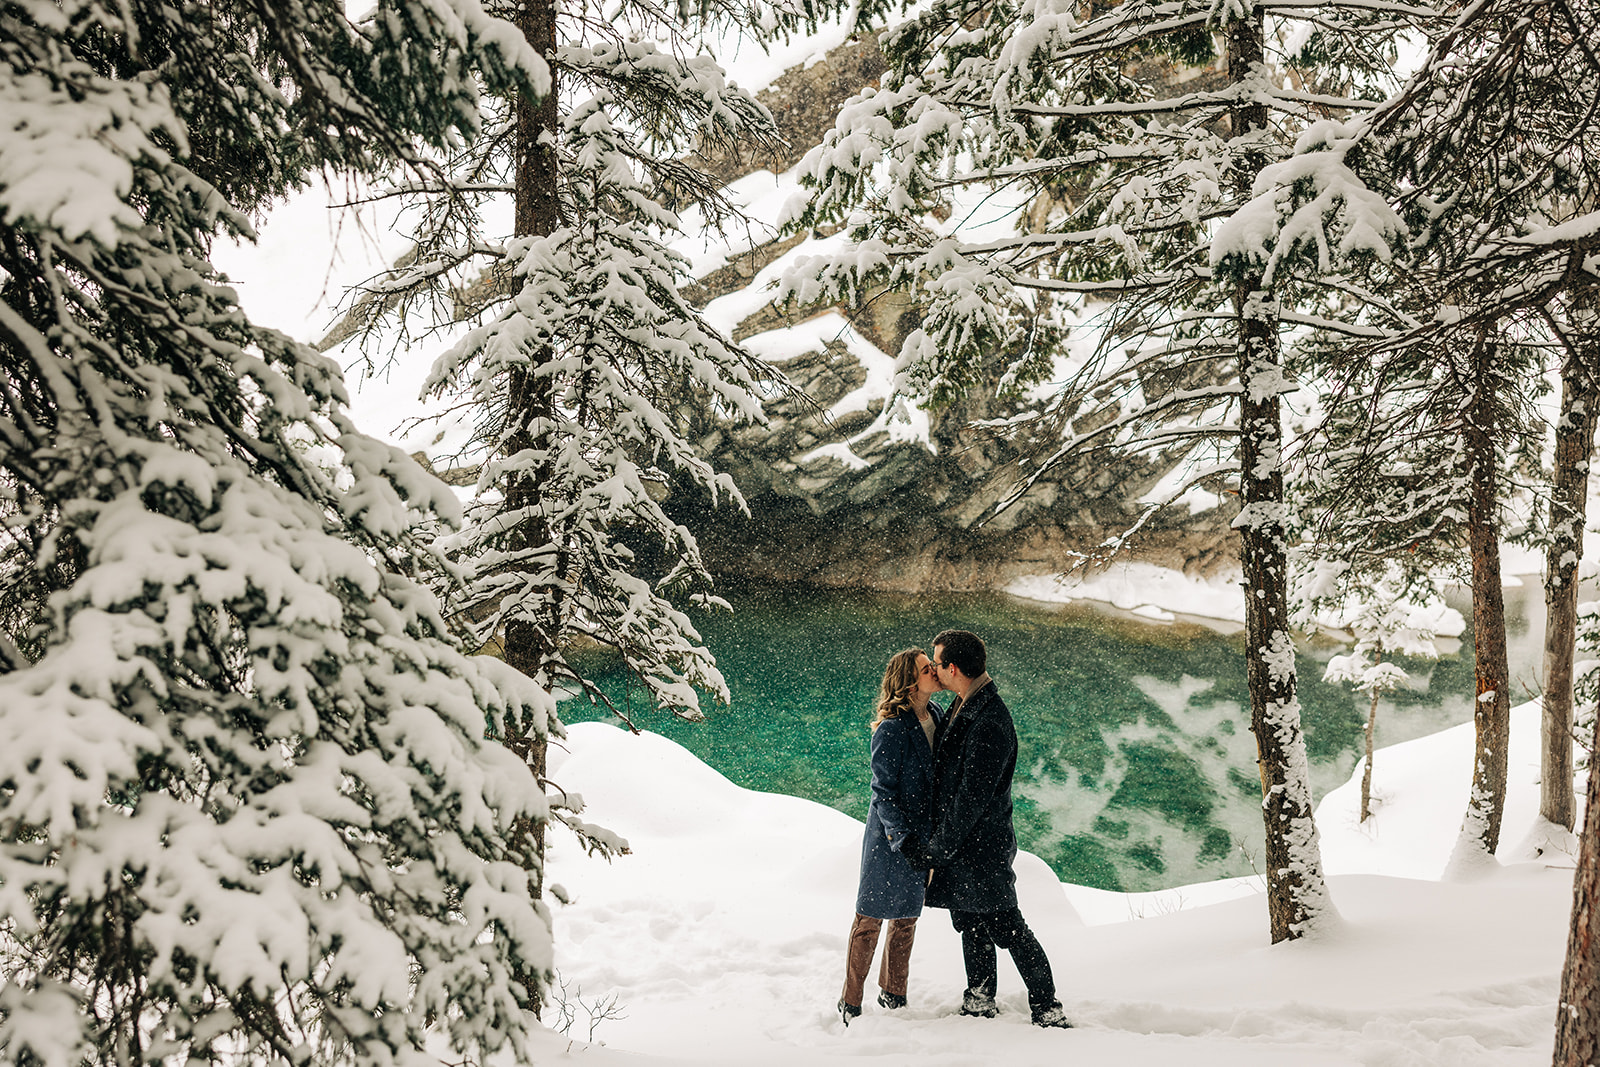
1211	215
1489	155
248	797
1311	207
589	378
251	804
1124	182
1493	139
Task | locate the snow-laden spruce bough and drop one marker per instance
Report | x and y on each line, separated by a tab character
1167	202
252	801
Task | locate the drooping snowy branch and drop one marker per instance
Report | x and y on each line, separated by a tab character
250	801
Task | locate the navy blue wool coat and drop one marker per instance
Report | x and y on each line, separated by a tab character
902	802
973	844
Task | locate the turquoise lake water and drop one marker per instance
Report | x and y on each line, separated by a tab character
1136	767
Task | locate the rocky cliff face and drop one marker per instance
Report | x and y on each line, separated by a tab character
913	517
838	499
843	501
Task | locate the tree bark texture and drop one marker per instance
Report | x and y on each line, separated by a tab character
1578	1010
1492	710
538	201
530	643
1366	767
1296	893
1568	498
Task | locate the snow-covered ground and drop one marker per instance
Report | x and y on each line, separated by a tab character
1161	594
721	938
1144	589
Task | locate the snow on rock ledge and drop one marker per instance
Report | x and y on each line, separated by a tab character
1158	593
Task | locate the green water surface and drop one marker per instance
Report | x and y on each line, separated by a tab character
1136	767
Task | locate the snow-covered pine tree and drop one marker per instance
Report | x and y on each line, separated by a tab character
1490	154
588	372
1129	145
1388	618
250	805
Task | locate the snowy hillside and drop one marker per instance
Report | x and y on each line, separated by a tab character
721	939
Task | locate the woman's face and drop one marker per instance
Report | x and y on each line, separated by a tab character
927	678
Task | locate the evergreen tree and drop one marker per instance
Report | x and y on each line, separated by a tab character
1126	176
590	371
250	804
1493	277
1384	620
586	374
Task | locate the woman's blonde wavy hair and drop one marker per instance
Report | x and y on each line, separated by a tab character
899	681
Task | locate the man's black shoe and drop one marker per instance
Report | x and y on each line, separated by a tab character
848	1011
1051	1016
892	1001
975	1002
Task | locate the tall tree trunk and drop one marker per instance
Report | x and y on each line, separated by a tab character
1480	829
538	202
1297	896
1569	492
1366	767
530	643
1578	1010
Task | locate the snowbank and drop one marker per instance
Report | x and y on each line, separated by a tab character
1156	593
722	938
1419	793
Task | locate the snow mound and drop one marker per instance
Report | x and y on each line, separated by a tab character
1157	593
722	937
1419	794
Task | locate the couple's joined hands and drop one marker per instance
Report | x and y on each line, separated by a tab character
915	852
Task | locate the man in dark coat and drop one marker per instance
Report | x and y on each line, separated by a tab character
973	843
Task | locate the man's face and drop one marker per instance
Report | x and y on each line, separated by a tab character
941	670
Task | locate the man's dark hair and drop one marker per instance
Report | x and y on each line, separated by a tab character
964	649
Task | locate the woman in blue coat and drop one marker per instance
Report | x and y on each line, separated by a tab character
901	811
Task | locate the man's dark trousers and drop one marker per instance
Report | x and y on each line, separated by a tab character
984	931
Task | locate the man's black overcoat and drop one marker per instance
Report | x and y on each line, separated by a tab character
973	843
